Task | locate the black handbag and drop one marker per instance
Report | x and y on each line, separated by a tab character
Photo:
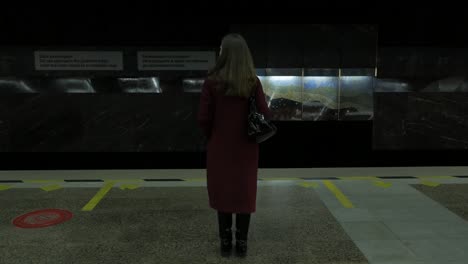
258	128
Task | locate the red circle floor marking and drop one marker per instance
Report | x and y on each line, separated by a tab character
42	218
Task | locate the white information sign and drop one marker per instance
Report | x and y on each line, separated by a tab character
176	60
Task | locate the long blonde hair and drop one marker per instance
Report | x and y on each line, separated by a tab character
234	68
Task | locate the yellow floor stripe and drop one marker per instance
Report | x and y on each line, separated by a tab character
129	186
42	181
51	187
5	187
436	177
339	195
358	178
430	184
98	197
280	179
196	179
309	184
123	180
382	184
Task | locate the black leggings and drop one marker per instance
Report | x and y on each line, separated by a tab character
242	223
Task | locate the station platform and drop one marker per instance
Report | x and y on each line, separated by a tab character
322	215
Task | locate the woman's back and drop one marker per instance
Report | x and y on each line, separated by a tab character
231	112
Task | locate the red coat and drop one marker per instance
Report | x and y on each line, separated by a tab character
232	160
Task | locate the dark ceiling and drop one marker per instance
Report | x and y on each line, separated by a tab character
162	25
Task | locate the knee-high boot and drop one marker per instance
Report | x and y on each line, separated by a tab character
225	232
242	230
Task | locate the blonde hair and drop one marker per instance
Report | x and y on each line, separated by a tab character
234	68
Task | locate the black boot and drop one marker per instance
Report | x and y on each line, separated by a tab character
242	230
225	233
226	243
241	245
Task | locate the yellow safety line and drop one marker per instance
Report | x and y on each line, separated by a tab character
309	184
435	177
51	187
339	195
280	179
5	187
358	178
42	181
430	184
382	184
123	180
196	179
98	197
129	186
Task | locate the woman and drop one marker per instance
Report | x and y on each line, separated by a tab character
232	159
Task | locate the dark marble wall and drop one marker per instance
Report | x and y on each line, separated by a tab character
37	114
412	83
421	120
311	45
421	98
99	122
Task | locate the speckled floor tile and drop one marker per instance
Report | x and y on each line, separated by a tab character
171	225
452	196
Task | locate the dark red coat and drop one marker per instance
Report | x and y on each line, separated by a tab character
232	160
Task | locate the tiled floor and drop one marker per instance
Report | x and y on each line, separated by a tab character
400	224
297	221
453	196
